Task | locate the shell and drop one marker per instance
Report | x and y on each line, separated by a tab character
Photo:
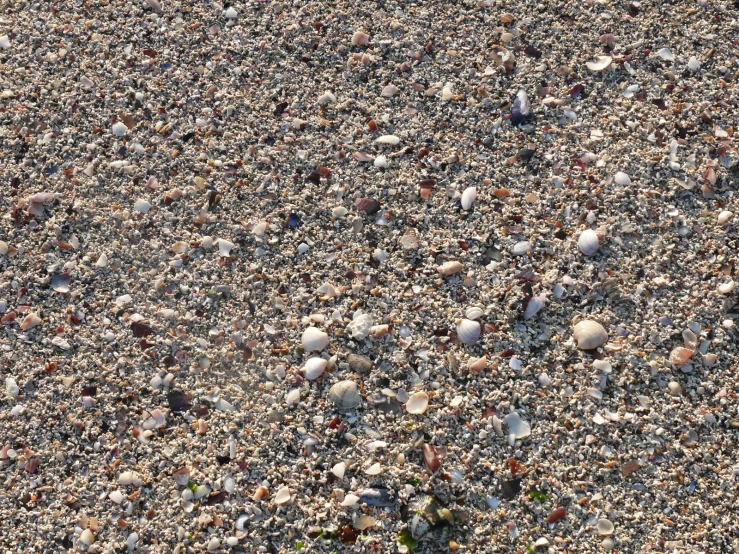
345	394
380	161
282	496
30	321
364	522
425	513
534	305
60	282
389	91
521	248
360	326
474	312
314	339
119	129
666	54
360	38
476	365
621	178
468	197
388	139
224	247
605	527
589	334
359	364
142	206
600	63
314	368
680	355
588	242
468	331
450	268
326	98
724	217
417	403
518	427
694	64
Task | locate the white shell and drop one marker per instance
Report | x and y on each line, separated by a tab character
468	331
518	427
360	326
339	469
142	206
86	537
119	129
130	478
474	312
364	522
314	368
600	63
724	216
282	496
534	305
588	242
345	394
4	41
468	197
605	527
521	248
314	339
380	161
694	64
327	97
450	268
726	288
388	139
231	13
224	247
622	179
589	334
417	403
666	54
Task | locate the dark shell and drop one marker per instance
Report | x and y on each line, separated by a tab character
424	514
521	111
378	497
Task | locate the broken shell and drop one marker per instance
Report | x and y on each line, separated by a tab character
600	63
474	312
589	334
314	368
605	527
518	427
468	331
359	364
521	248
314	339
666	54
468	197
30	321
388	139
360	38
588	242
60	282
450	268
724	216
680	355
345	394
426	513
326	98
364	522
476	365
282	496
621	178
389	91
534	305
417	403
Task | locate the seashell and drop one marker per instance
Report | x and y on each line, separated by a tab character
534	305
450	268
30	321
680	355
604	527
360	38
588	242
724	217
521	248
518	427
726	288
86	537
621	178
557	515
694	64
179	247
370	206
446	93
521	111
364	522
360	326
468	331
41	198
388	139
314	368
417	403
282	496
339	469
326	98
389	91
502	57
359	364
425	513
345	395
377	497
119	129
600	63
231	13
130	478
690	340
60	282
380	161
328	291
314	339
609	39
476	365
224	247
3	248
4	41
410	241
474	312
589	334
142	206
666	54
468	197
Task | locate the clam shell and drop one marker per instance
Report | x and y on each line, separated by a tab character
388	139
450	268
359	363
314	368
518	427
360	38
389	91
30	321
724	216
314	339
605	527
621	178
476	365
282	496
417	403
588	242
534	305
521	248
600	63
345	394
589	334
474	312
426	513
468	197
468	331
680	355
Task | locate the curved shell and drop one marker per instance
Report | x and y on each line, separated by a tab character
417	403
426	513
588	242
450	268
468	331
388	139
600	63
534	305
589	334
622	179
345	394
314	368
474	312
314	339
468	197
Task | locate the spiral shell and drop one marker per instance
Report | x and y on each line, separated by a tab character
468	331
589	334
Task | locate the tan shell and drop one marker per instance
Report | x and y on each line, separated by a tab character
450	268
589	334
